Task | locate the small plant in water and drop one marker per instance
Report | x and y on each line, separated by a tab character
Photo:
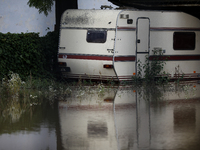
152	69
13	84
101	88
111	83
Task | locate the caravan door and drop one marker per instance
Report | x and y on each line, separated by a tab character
142	43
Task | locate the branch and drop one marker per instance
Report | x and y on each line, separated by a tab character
42	5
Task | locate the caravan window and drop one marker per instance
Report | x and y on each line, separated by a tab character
184	41
94	36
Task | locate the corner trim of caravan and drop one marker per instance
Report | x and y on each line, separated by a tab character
114	48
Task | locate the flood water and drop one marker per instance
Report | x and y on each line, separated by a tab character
123	118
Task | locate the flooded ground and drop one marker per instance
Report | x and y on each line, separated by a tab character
123	118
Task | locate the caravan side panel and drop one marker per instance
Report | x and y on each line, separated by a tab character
86	43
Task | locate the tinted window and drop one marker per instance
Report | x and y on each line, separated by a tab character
96	36
184	41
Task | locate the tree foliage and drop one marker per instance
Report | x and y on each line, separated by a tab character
41	5
46	5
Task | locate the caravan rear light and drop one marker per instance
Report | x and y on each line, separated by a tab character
62	64
107	66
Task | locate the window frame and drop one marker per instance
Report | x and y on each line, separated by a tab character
92	39
182	43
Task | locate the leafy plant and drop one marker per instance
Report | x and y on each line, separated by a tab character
137	79
153	68
27	52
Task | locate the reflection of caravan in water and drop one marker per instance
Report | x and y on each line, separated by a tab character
106	44
132	119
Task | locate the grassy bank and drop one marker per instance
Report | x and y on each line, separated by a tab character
35	91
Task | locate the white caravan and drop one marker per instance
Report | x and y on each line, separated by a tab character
107	44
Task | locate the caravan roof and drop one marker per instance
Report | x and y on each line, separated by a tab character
107	18
89	18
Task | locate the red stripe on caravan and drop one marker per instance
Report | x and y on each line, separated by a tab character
88	57
126	28
173	29
125	58
176	57
161	29
105	106
97	57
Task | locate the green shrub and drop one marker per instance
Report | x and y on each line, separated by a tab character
153	69
27	53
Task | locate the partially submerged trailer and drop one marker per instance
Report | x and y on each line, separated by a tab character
108	44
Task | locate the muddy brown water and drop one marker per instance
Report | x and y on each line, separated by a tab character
123	118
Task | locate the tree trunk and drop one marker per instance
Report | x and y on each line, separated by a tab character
61	6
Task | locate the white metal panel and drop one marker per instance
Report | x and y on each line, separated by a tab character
163	18
125	43
89	68
142	35
182	67
76	45
74	41
89	18
125	49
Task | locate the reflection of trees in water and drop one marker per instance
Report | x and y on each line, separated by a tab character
13	111
158	93
14	105
161	95
153	93
90	96
17	116
187	91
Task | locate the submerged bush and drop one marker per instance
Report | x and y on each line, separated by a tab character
32	92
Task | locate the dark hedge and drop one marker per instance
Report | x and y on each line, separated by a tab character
27	53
